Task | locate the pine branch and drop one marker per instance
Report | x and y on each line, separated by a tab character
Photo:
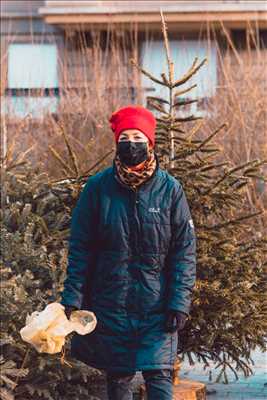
153	78
183	91
193	70
208	139
181	103
187	119
70	151
159	99
231	171
65	166
232	221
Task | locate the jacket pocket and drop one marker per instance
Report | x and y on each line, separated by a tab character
152	292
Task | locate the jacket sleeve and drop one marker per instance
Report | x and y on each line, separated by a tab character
181	258
82	245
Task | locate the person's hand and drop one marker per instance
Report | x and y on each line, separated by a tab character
69	309
175	320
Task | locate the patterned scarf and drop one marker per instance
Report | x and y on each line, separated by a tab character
136	178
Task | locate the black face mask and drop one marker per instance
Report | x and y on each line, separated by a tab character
132	153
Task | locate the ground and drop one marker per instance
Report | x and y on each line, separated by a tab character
251	388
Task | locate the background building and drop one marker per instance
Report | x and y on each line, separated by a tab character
41	42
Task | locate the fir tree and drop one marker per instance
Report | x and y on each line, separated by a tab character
35	217
228	318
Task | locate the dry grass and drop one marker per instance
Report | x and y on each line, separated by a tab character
241	101
97	78
94	83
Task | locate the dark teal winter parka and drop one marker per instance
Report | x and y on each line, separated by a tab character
132	255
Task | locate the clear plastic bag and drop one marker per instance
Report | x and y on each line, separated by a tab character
46	330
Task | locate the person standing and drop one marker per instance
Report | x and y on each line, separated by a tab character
132	261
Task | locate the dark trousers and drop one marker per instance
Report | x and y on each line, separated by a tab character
158	384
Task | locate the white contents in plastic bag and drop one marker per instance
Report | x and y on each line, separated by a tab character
46	330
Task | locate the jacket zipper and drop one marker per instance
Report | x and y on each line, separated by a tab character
136	201
137	246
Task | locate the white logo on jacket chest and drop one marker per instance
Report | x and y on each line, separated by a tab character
154	210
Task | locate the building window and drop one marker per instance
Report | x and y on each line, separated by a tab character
244	38
32	79
183	53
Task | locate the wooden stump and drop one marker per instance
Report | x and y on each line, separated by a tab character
184	390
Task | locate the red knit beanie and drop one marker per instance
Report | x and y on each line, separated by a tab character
133	117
